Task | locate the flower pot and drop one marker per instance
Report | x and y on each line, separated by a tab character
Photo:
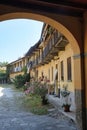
67	108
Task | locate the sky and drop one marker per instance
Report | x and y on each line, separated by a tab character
17	36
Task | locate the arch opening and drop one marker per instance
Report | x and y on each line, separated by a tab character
62	29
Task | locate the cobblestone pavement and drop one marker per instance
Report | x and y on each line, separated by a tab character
14	117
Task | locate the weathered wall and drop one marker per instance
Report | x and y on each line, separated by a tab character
12	76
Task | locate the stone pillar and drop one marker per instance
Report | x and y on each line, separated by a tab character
85	61
79	90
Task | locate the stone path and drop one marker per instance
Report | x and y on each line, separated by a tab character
15	117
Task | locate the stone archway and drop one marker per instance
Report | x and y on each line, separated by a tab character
73	40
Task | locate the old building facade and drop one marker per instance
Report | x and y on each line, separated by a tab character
50	58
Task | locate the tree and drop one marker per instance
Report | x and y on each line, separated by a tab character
2	64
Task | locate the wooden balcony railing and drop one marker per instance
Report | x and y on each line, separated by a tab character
56	43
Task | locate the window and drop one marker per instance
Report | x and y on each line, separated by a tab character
56	66
42	75
49	74
62	71
69	70
56	72
52	73
36	73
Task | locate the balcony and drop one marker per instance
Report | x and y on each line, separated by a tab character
35	62
61	43
15	69
56	43
40	59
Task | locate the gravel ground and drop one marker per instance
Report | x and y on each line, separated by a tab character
13	116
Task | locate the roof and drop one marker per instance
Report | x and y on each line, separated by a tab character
33	48
19	59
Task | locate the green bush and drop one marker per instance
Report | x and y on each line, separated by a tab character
27	77
3	77
20	80
40	89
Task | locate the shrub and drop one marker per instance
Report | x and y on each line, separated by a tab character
26	77
20	80
39	89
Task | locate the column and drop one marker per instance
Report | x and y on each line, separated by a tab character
79	91
85	61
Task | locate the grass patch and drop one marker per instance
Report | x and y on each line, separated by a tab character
39	110
34	104
6	85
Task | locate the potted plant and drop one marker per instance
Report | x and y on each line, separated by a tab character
65	94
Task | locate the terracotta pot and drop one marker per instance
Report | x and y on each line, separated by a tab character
67	108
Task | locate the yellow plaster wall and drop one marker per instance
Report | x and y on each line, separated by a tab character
12	75
62	57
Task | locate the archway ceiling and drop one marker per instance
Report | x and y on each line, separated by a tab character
67	7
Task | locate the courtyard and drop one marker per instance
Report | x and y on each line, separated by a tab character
14	116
